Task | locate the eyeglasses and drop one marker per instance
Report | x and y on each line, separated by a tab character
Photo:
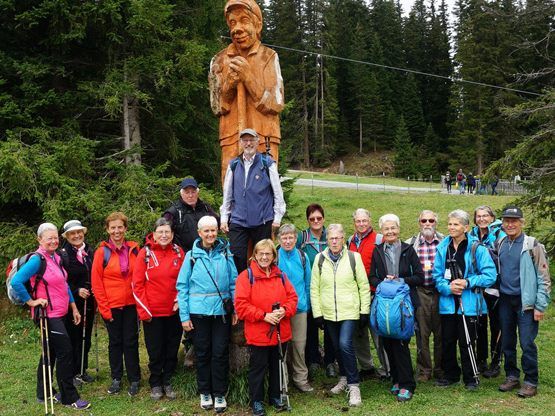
260	254
315	219
425	220
335	238
478	217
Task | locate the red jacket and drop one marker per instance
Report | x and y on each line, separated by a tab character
110	288
365	249
154	278
253	301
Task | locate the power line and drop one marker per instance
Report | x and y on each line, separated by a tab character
427	74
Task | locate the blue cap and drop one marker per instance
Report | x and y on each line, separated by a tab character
185	183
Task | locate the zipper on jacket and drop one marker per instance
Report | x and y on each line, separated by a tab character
335	266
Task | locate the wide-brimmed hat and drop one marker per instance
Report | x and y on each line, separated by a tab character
73	225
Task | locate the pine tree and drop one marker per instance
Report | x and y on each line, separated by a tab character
405	156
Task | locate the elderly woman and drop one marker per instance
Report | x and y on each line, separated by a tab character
266	300
112	273
340	297
488	230
395	259
206	288
77	258
53	295
154	279
474	270
294	263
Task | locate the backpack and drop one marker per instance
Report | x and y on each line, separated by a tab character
351	256
251	277
263	158
13	267
392	312
108	254
301	254
460	177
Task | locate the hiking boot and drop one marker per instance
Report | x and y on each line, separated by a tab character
278	404
443	382
206	401
220	405
258	409
404	395
395	389
133	388
115	387
472	386
493	371
85	377
56	399
313	370
170	393
80	404
331	372
423	377
77	382
509	384
340	386
482	366
156	393
304	388
367	374
527	390
354	395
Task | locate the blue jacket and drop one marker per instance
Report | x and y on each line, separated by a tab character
495	232
473	301
196	293
291	264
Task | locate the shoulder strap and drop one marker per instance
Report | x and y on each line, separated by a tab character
305	238
148	253
64	257
412	240
107	255
473	249
320	262
233	164
303	258
349	240
251	276
352	262
379	238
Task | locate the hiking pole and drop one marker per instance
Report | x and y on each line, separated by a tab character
49	366
284	393
43	356
96	339
83	340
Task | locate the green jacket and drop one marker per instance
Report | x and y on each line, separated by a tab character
335	293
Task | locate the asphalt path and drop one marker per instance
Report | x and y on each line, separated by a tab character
319	183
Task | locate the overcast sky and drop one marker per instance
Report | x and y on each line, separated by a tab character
407	4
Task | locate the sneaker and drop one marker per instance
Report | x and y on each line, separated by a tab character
56	399
354	395
220	405
424	377
170	392
509	384
395	389
133	388
331	372
304	388
258	409
115	387
472	386
340	386
443	382
77	382
156	393
527	390
404	395
80	404
85	377
278	404
206	401
493	371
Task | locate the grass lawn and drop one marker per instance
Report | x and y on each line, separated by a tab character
19	343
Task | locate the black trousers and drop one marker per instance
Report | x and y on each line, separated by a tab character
239	238
211	341
312	348
400	363
452	332
75	333
61	357
162	338
262	358
495	330
123	343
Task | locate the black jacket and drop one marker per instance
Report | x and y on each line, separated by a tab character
78	275
184	220
410	269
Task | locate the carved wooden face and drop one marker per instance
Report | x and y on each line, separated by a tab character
243	28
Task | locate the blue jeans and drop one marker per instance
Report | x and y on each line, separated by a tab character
512	317
341	334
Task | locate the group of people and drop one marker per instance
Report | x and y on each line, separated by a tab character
186	278
469	184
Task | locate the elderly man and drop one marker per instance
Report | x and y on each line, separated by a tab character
253	201
246	87
427	315
525	287
186	212
363	242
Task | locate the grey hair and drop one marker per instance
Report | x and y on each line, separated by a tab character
207	221
336	227
162	221
460	215
46	226
287	229
428	212
389	217
361	211
486	208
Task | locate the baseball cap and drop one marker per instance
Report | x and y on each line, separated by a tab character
250	132
512	212
185	183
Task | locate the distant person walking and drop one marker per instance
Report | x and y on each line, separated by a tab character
461	181
448	181
494	182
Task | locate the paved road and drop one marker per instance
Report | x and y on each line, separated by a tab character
361	186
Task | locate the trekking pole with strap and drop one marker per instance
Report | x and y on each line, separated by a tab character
83	339
284	392
49	372
43	356
96	339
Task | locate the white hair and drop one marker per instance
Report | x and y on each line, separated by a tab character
361	211
46	226
389	217
428	212
460	215
207	221
337	228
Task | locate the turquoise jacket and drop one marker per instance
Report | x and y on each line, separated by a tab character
483	277
291	264
495	233
196	293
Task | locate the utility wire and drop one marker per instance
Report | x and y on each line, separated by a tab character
453	79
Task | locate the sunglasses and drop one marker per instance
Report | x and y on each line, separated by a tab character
425	220
315	219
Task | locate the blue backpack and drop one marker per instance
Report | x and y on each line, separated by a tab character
392	313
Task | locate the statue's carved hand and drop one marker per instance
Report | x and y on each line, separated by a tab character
241	67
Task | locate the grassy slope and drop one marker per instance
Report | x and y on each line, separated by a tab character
19	346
